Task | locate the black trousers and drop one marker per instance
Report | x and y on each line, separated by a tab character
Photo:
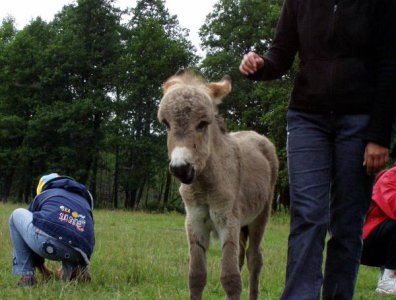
379	248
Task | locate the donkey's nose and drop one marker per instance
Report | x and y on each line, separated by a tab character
185	173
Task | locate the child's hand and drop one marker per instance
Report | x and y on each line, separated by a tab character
46	272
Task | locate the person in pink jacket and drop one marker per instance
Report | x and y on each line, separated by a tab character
379	232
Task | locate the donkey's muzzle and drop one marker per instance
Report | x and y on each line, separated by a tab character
185	173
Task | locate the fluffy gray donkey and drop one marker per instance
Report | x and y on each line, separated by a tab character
228	181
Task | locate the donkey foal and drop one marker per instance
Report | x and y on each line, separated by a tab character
227	181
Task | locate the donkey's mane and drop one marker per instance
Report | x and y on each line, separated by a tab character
221	123
189	77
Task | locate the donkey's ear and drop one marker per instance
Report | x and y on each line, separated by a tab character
218	90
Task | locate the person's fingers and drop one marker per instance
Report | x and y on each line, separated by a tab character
369	165
375	163
250	63
365	158
259	62
244	68
368	161
375	158
382	161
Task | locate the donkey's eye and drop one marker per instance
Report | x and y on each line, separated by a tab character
202	125
165	122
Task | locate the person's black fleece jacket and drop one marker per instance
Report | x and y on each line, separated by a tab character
384	105
347	59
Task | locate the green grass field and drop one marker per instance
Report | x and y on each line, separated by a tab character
144	256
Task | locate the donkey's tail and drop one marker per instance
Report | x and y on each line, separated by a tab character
245	233
243	238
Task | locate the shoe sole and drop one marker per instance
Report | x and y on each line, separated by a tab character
381	291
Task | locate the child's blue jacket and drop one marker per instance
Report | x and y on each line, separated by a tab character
64	211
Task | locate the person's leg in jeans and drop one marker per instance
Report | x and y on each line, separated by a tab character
309	150
22	230
32	246
351	194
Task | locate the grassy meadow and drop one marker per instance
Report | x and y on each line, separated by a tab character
144	256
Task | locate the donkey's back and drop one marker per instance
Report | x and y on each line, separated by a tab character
259	170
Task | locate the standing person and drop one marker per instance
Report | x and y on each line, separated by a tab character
379	231
338	133
58	225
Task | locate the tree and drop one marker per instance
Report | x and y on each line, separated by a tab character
231	30
56	92
79	96
156	47
84	58
23	63
10	126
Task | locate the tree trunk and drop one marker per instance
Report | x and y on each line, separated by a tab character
92	185
159	197
281	199
132	199
7	185
139	195
167	189
115	183
147	195
126	196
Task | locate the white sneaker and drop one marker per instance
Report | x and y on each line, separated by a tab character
386	286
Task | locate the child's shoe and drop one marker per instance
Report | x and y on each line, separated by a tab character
46	272
27	280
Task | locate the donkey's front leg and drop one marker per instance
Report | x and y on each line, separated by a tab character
230	273
198	236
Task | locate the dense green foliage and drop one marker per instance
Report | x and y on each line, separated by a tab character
130	261
79	95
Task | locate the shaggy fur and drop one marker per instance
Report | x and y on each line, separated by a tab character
227	180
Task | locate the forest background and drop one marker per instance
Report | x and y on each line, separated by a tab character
79	96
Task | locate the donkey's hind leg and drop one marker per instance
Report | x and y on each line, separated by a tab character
254	256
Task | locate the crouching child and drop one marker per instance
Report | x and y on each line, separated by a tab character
58	225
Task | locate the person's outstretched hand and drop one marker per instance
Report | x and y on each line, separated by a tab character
251	63
375	158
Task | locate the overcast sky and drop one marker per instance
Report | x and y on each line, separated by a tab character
191	13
